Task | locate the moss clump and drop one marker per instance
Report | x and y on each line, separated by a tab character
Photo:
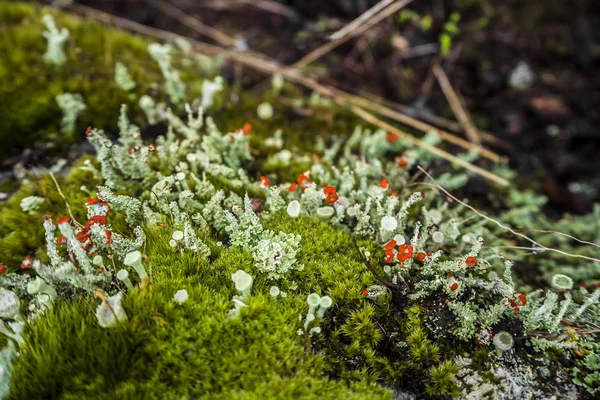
28	108
29	111
442	380
20	233
422	350
170	350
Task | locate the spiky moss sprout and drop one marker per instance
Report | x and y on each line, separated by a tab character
442	383
190	349
422	350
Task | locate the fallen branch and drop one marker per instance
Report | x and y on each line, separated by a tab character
434	119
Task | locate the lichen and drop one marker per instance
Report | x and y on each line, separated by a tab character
176	245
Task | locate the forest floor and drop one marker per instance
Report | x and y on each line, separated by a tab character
524	70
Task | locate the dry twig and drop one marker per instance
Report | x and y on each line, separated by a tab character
455	104
419	125
63	197
361	19
327	47
194	23
433	119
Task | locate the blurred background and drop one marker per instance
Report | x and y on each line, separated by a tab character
525	71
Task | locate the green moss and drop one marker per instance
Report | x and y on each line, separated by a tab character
167	350
28	109
442	380
21	234
422	350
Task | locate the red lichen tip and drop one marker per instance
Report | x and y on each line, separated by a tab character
88	131
471	261
392	137
62	220
384	183
27	261
2	269
454	286
292	188
96	219
331	195
303	180
421	257
365	292
264	181
247	129
389	245
405	252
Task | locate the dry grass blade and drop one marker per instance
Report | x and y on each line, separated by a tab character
433	119
327	47
63	197
565	235
216	35
272	7
455	104
501	225
296	76
361	19
292	75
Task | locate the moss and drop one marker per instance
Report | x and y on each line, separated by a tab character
28	109
168	350
29	112
422	350
21	234
442	380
